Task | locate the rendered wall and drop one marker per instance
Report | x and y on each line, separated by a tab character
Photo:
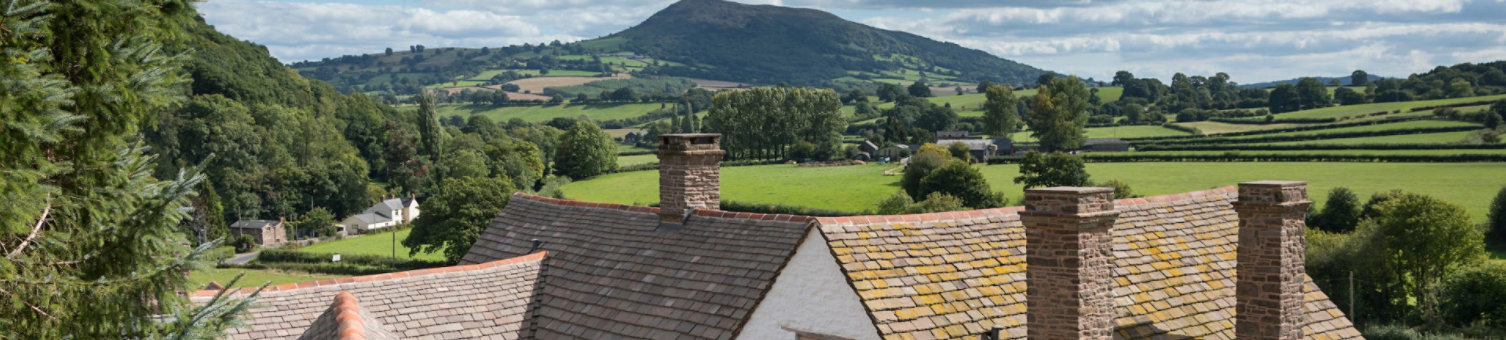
810	295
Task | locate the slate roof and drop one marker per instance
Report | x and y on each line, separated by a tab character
614	274
488	300
254	224
955	274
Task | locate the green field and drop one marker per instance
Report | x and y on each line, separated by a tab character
1213	128
1420	138
373	244
623	161
1362	109
254	277
1322	152
544	113
971	104
1128	131
1416	124
856	188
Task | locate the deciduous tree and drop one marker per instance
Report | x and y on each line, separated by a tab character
1000	118
1052	170
585	151
456	214
960	179
1059	114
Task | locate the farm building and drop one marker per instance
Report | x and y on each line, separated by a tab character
266	233
389	212
1205	264
981	149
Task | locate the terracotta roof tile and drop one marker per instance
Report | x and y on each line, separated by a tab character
950	275
614	274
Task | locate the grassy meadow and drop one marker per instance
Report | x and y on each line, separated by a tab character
1363	109
372	244
545	113
857	188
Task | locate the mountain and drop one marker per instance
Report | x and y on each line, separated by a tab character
724	40
708	39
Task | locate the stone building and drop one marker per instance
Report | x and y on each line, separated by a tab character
1165	267
266	233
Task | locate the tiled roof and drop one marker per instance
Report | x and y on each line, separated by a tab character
345	320
956	274
488	300
614	274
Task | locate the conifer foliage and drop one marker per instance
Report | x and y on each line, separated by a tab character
91	241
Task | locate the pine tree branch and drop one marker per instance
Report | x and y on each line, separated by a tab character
35	230
34	307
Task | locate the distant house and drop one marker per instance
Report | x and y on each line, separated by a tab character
266	233
981	149
868	146
1105	144
953	134
389	212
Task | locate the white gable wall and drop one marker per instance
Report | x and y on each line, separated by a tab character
810	295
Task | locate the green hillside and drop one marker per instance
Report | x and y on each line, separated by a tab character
724	40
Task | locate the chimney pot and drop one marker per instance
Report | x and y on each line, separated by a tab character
1270	260
689	174
1069	263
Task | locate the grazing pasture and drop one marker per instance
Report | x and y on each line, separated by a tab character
536	113
856	188
538	84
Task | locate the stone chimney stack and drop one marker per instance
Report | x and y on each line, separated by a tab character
1069	263
1270	259
689	174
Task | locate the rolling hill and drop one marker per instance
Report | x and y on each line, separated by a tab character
766	44
704	39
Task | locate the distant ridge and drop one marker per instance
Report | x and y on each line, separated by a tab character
1342	80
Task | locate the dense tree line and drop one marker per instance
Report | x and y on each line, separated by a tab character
763	123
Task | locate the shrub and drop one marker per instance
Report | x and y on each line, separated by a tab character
1341	213
959	150
963	181
244	242
1476	295
1496	218
900	203
930	157
1056	169
1121	189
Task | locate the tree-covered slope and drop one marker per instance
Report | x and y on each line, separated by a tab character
274	144
760	43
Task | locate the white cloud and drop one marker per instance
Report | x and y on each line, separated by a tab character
1255	40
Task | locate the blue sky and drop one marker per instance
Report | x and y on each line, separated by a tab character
1252	40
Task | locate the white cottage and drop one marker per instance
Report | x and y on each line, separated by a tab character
389	212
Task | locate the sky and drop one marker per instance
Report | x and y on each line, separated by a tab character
1252	40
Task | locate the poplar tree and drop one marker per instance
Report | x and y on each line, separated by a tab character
1000	118
90	240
